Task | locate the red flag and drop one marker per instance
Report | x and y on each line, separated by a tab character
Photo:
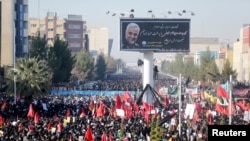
88	134
166	101
198	107
31	112
125	139
3	106
91	105
82	113
36	118
110	137
219	108
70	137
68	114
126	96
196	117
59	127
221	92
210	119
49	125
104	137
101	110
1	121
118	102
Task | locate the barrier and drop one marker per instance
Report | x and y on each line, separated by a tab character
88	92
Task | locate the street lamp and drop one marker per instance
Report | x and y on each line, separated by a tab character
192	13
170	12
122	14
151	13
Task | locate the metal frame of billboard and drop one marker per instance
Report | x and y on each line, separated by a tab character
158	35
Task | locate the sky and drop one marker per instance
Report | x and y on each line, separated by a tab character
221	19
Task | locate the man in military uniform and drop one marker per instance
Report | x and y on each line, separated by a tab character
131	36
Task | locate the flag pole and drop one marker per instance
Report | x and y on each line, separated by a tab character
230	100
180	105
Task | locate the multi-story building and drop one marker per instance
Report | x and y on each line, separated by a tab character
13	29
241	54
99	40
50	27
72	30
75	29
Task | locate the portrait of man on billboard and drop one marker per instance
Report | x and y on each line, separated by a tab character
131	35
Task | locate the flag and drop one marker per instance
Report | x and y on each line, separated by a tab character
126	97
36	118
221	92
166	101
88	134
82	113
31	112
196	116
70	137
104	137
68	114
118	102
3	106
59	127
101	110
91	105
110	137
1	121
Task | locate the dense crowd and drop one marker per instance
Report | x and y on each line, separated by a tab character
69	117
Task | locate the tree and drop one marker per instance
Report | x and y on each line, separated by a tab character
207	66
33	77
61	61
101	67
38	48
111	64
84	66
228	70
190	70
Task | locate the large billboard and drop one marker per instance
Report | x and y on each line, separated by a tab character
158	35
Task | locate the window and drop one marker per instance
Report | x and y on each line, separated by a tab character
50	20
58	26
50	29
74	26
74	36
20	8
32	25
74	45
50	39
42	25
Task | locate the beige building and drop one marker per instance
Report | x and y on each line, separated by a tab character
51	27
98	40
198	47
241	55
14	30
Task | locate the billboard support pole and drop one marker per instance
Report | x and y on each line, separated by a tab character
148	57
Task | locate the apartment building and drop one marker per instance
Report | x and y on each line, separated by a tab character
14	30
71	29
241	54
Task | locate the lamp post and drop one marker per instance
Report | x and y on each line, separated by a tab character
14	61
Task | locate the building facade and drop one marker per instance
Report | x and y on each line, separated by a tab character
14	30
50	27
75	29
241	55
99	40
71	29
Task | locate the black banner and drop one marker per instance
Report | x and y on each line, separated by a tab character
159	35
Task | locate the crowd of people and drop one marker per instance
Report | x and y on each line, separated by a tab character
96	118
